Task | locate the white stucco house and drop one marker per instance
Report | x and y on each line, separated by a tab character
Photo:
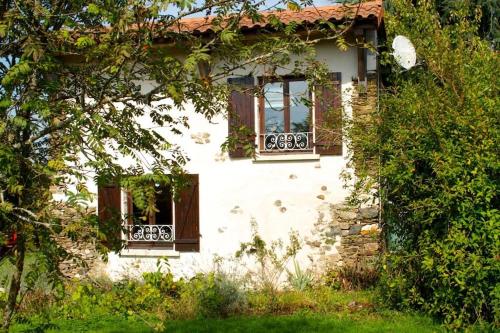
291	183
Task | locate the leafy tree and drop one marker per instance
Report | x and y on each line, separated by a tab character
437	138
488	24
71	97
489	10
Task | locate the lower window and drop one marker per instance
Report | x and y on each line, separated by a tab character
156	229
174	226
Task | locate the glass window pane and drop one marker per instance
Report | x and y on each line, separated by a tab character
300	114
138	216
164	205
274	118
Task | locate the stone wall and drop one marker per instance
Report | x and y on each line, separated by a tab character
344	235
364	104
83	259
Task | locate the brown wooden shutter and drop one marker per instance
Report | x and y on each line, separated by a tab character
241	113
109	213
187	218
328	117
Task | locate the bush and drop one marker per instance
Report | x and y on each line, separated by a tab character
437	137
271	259
151	297
218	295
300	280
357	276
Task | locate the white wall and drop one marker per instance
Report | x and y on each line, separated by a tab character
235	192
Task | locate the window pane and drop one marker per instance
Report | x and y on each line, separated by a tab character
164	205
138	216
274	118
300	113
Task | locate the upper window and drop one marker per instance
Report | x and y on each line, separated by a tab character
285	118
285	115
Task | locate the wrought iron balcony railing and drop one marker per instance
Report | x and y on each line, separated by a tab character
287	141
150	233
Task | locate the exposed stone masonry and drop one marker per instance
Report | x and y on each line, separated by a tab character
84	260
344	235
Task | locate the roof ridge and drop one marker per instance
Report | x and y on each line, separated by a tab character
338	12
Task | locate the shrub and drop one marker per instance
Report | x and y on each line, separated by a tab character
217	295
153	296
271	259
300	280
356	276
437	137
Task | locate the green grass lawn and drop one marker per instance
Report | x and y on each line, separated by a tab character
297	323
306	323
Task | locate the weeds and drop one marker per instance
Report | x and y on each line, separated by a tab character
357	276
271	259
300	280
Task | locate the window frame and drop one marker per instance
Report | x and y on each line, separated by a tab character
286	79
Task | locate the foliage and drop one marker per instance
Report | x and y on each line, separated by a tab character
321	310
437	137
156	299
272	259
488	25
357	276
3	297
87	96
218	295
299	280
134	305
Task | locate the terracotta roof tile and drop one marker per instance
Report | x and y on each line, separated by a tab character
372	10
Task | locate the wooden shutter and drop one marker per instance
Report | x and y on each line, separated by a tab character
109	213
187	218
241	113
328	117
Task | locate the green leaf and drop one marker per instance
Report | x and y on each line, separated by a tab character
93	9
228	36
293	6
19	121
3	30
84	42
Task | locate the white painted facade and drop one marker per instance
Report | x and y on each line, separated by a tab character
279	193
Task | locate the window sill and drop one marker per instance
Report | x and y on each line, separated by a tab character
286	157
150	253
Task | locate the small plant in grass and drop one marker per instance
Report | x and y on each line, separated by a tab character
353	276
217	295
271	258
300	280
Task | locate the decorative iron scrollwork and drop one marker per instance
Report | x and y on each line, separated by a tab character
150	233
287	141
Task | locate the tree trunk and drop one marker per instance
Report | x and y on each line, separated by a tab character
15	284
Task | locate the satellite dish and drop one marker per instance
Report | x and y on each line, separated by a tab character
404	52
